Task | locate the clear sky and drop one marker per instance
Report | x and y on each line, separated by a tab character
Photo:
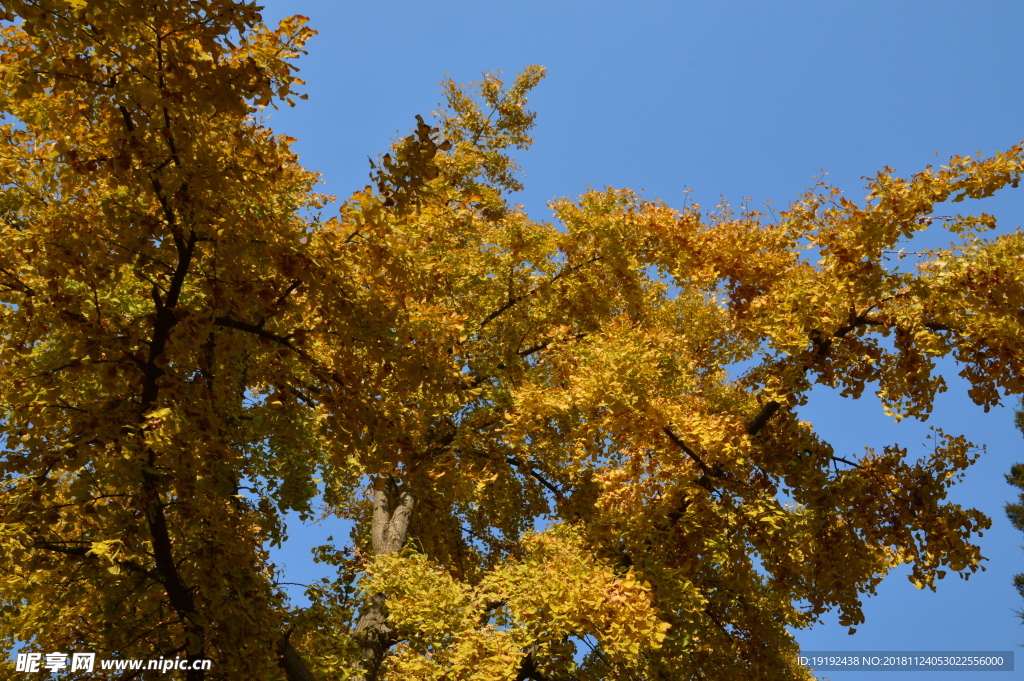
735	99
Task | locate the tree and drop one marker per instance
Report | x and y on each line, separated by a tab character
1015	511
535	429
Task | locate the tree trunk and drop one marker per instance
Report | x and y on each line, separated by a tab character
291	662
392	510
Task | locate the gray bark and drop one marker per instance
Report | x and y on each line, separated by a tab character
392	511
291	662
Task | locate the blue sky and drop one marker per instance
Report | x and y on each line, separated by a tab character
734	99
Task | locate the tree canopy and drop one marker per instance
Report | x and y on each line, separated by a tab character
569	451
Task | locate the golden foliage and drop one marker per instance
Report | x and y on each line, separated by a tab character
187	348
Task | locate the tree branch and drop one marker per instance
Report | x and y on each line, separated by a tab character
847	462
256	329
689	452
516	299
291	663
19	284
526	352
83	552
767	411
530	470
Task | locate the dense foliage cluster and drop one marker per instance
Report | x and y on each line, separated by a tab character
570	450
